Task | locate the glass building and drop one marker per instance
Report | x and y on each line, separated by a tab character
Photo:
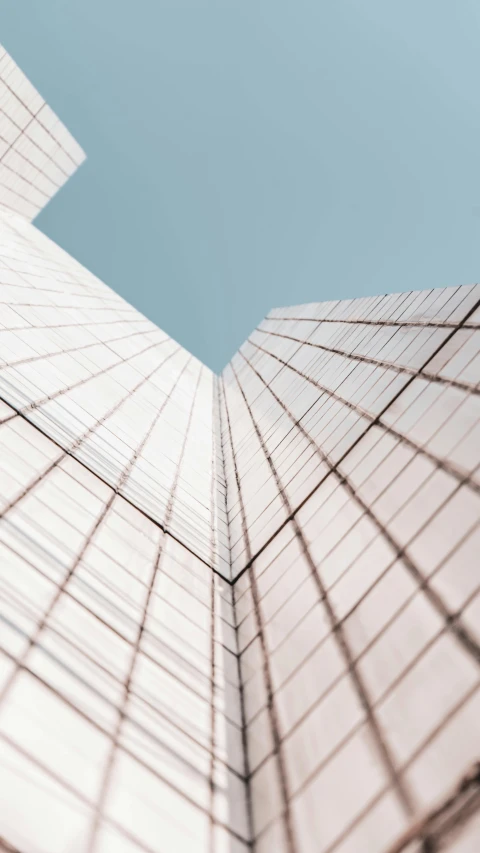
240	612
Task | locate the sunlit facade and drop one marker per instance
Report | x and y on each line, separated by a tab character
237	612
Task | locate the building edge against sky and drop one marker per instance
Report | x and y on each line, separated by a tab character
37	153
234	610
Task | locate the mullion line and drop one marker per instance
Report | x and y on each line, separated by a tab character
79	557
78	651
403	793
374	420
451	621
213	650
47	131
78	441
383	696
82	798
432	838
38	169
100	802
344	619
462	634
46	327
213	745
213	486
29	287
4	205
343	333
390	323
101	479
22	130
379	322
171	500
33	640
457	807
56	353
61	391
19	195
388	365
100	805
271	709
41	264
241	685
188	684
30	183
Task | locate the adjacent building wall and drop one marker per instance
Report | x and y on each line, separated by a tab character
37	153
352	439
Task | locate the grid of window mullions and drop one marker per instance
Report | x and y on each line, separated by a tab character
37	154
449	623
191	517
126	687
354	407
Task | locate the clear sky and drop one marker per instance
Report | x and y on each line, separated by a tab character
246	154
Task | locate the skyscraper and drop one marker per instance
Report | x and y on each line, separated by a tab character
238	612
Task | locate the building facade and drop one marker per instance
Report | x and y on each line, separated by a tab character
237	612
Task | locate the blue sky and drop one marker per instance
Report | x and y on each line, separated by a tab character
244	155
